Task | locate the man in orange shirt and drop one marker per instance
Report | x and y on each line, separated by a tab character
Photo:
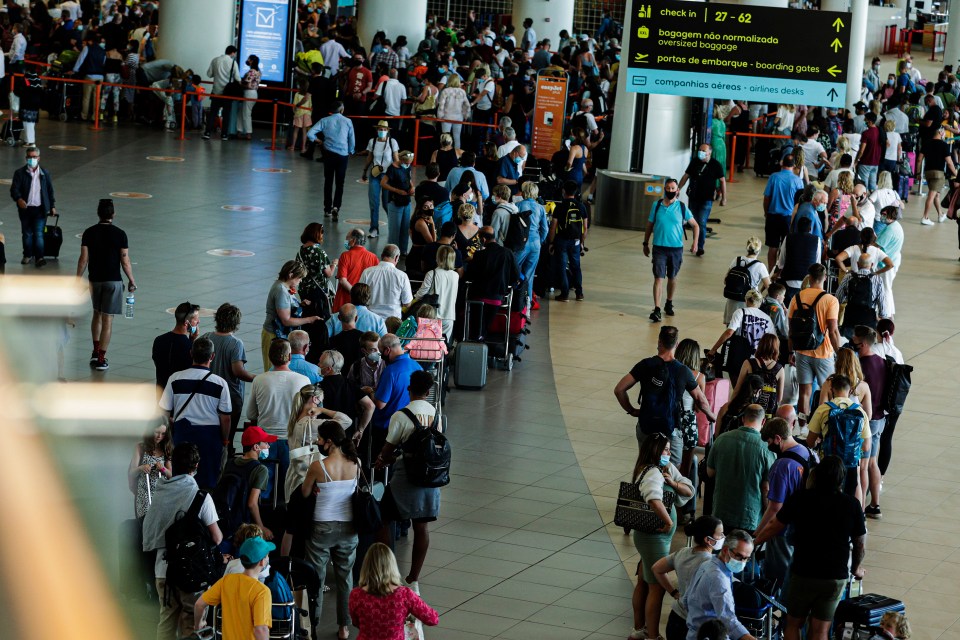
352	263
815	362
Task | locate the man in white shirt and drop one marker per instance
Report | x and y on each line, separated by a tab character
900	119
332	52
529	41
394	93
222	69
510	135
389	287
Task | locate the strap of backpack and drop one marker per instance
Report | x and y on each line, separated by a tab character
413	418
196	505
195	389
796	457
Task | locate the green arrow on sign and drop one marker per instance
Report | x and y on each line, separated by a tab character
836	44
834	71
837	24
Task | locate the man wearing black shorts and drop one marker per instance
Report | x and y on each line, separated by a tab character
778	200
103	248
667	217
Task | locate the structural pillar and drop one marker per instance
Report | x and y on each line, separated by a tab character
550	17
407	18
858	48
951	50
192	33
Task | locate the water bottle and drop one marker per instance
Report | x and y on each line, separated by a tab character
128	310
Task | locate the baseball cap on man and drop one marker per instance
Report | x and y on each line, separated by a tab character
255	549
255	435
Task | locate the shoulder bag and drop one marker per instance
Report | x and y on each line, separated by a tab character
233	88
366	509
633	512
184	422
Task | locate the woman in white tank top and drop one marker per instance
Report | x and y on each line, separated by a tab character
333	480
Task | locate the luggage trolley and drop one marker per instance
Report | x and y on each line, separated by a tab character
500	350
436	366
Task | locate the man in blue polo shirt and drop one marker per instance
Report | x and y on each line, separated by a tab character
667	217
391	394
778	200
510	164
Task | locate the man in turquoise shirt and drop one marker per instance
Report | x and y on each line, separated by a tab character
778	200
667	217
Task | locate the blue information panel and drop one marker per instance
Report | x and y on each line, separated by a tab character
265	33
754	53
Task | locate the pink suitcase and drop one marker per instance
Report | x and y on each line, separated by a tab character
718	393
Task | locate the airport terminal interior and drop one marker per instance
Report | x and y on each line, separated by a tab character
525	546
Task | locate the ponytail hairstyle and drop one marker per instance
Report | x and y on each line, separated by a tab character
867	237
332	431
305	395
702	528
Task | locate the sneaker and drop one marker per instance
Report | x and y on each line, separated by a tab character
638	634
535	305
335	212
94	357
873	511
41	262
563	297
326	213
205	136
373	233
102	364
655	315
700	253
668	308
943	218
26	260
224	138
414	586
927	221
579	297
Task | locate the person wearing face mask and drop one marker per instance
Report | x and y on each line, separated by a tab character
707	534
171	351
382	151
365	373
392	393
511	169
32	190
398	181
666	222
333	537
829	535
710	595
788	475
247	473
705	176
90	65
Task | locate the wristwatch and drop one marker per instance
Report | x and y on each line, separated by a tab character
675	593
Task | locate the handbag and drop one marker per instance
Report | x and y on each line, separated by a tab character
366	509
633	512
233	89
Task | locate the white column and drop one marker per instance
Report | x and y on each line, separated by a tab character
858	47
951	51
550	17
407	18
192	33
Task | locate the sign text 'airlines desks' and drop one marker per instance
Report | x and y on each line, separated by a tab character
716	50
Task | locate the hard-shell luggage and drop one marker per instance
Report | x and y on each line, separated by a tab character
518	323
765	154
862	613
717	392
52	237
470	365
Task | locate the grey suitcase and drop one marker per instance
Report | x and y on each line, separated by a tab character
470	367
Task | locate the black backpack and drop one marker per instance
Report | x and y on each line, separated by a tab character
230	496
806	333
518	231
768	392
569	220
659	405
898	385
860	308
738	281
193	560
426	455
578	121
808	465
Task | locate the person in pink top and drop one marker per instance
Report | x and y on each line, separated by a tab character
351	264
380	605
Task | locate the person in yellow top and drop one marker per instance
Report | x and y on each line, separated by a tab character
245	601
819	424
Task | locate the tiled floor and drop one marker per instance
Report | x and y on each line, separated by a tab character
524	548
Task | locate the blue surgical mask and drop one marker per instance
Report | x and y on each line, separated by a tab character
890	82
192	329
33	163
405	165
263	454
518	160
374	357
821	207
664	461
702	156
736	566
617	57
346	245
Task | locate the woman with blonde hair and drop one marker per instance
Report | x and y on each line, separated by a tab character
468	232
842	203
759	275
538	230
848	364
446	157
748	322
844	147
443	282
453	104
308	413
799	166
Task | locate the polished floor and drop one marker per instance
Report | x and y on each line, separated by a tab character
524	548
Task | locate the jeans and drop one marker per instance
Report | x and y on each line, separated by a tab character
227	122
208	441
176	616
279	462
868	174
527	261
891	166
776	564
398	217
567	252
334	168
454	130
32	220
106	92
377	197
700	209
788	295
335	541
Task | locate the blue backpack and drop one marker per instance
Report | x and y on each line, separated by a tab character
280	592
442	213
843	437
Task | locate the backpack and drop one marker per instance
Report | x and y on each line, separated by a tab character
498	100
518	231
487	213
808	464
230	496
806	333
738	280
898	385
843	434
407	330
659	405
280	594
860	308
570	221
768	392
579	121
193	560
442	213
426	455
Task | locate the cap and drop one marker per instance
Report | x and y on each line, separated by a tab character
406	155
584	36
255	549
383	124
860	105
255	435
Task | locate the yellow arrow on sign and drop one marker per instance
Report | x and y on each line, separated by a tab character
834	71
837	24
836	44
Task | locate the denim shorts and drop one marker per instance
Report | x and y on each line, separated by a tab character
876	429
667	261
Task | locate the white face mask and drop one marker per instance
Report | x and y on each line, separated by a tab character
717	542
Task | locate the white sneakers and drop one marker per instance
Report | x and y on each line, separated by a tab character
943	217
926	221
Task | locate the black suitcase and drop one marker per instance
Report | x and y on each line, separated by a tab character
766	160
52	237
862	613
136	566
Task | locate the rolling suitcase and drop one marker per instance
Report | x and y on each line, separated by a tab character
862	614
470	365
52	237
